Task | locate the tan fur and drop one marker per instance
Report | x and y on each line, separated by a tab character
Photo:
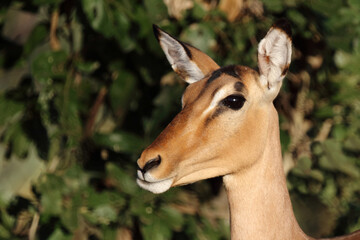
241	145
247	152
203	61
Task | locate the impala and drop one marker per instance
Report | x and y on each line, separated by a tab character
229	127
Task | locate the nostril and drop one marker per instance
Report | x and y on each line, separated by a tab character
151	164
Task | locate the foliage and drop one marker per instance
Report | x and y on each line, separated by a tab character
85	87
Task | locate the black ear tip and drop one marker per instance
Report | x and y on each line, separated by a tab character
156	30
284	25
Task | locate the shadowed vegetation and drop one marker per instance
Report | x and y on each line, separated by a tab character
84	87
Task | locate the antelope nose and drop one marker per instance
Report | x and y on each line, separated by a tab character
152	163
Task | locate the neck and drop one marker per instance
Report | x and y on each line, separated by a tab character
260	206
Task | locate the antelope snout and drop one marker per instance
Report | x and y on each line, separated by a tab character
150	164
146	178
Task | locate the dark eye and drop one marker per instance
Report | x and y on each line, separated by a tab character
234	102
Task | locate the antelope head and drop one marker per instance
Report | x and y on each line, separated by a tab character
224	122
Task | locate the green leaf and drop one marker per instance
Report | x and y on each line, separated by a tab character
7	220
122	91
105	214
158	230
120	142
201	35
274	5
77	35
125	182
76	178
4	232
95	12
303	169
95	199
352	143
354	4
49	65
297	18
198	11
70	216
156	9
87	67
324	112
324	7
59	235
142	19
317	175
126	42
52	187
51	203
316	148
172	217
16	136
10	110
339	132
70	121
342	58
304	163
330	189
336	160
36	38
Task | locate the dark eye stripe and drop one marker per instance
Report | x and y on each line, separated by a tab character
234	102
217	113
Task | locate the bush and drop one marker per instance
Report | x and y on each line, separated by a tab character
85	87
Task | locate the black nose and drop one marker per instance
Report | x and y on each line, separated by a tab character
151	164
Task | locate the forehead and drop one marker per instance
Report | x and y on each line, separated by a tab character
228	70
238	78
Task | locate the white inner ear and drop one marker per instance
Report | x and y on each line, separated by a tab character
274	56
179	60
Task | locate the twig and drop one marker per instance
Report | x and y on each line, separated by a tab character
33	227
93	112
54	41
324	130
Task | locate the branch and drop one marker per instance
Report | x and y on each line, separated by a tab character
54	41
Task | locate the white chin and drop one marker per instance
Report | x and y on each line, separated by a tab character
156	187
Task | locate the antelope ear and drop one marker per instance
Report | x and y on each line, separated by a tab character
274	56
190	63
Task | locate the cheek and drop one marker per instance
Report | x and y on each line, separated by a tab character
254	135
243	142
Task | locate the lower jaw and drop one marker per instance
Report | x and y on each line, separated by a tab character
156	187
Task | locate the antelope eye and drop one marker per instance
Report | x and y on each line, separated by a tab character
234	102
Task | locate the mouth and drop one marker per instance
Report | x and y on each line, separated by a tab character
153	185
